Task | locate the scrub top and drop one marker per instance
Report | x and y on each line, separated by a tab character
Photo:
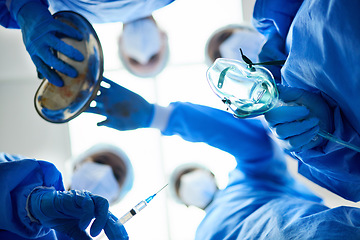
105	11
319	40
95	11
262	200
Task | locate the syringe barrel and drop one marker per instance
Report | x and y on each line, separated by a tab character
126	218
140	206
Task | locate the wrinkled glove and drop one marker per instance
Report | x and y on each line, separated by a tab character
297	121
70	212
123	109
41	35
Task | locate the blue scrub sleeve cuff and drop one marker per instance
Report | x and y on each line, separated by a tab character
26	225
161	117
14	6
25	175
32	218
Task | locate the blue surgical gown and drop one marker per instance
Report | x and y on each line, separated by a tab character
96	11
319	40
18	177
262	200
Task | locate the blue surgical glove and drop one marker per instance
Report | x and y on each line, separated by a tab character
297	121
123	109
41	35
70	212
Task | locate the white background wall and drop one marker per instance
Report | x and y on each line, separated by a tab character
22	131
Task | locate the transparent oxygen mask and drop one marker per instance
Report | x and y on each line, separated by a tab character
247	90
250	90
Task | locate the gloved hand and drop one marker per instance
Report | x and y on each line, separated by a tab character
123	109
70	212
297	121
41	35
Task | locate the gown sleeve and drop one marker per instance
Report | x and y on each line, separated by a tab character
321	62
101	11
246	139
274	23
18	177
219	129
9	10
6	20
262	199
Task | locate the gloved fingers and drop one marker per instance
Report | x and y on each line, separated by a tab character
102	93
74	204
114	230
108	81
66	49
113	89
118	125
99	108
289	94
76	233
287	130
120	90
101	214
87	211
95	110
39	75
304	141
48	57
66	30
103	123
47	72
285	114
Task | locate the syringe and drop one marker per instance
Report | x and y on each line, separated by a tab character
138	207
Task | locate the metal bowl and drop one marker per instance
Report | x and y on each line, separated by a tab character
61	104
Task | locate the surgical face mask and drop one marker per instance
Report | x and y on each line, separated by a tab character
96	178
141	40
197	188
250	41
248	91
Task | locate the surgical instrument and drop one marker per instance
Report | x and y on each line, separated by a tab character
138	207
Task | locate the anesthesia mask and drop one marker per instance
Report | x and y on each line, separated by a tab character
249	90
246	89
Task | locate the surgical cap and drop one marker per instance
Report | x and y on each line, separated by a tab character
141	40
250	42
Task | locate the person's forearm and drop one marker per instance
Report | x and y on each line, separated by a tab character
243	138
268	17
15	6
18	179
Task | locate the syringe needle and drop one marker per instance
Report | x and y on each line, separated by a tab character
161	188
141	205
152	196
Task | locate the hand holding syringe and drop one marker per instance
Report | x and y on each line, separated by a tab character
138	207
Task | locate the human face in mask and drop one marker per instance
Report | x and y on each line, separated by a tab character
143	47
197	188
226	42
104	173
